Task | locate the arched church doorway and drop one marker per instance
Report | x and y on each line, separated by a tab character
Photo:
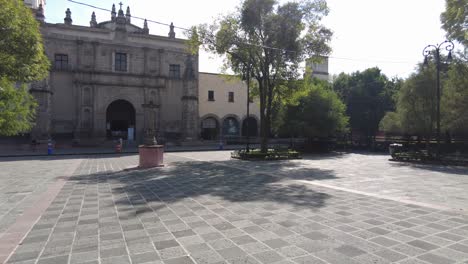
120	120
250	125
210	128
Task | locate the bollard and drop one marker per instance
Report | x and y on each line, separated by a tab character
49	147
221	147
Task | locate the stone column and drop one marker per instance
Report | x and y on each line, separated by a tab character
190	101
43	95
150	124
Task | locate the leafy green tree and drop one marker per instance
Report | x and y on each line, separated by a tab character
368	95
455	98
22	60
267	40
417	103
455	20
391	123
316	111
16	108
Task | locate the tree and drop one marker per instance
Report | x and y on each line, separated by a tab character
266	41
368	95
316	112
416	107
22	60
16	108
455	20
455	98
391	123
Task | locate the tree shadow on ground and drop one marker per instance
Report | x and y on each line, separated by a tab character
455	170
205	180
63	157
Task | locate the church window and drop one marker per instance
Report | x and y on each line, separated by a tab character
211	96
231	97
61	62
174	71
120	62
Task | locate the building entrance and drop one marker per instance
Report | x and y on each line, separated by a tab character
120	120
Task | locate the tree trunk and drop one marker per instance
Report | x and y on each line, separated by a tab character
263	136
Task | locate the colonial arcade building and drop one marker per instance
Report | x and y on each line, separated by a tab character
107	77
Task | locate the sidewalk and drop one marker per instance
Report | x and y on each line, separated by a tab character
107	150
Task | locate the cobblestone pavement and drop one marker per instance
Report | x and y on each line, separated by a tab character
442	187
234	212
22	181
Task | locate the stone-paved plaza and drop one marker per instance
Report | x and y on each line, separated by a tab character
203	207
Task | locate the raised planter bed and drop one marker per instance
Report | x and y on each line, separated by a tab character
271	154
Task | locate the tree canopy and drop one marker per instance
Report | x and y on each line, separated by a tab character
454	105
22	60
21	49
368	95
316	111
417	99
455	20
266	41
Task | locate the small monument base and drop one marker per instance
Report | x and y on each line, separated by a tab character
151	156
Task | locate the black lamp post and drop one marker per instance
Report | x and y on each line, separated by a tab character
247	77
435	51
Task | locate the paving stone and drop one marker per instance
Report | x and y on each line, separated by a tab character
276	243
412	261
422	244
315	235
206	256
183	233
179	199
24	256
408	250
181	260
460	247
172	252
113	252
391	255
371	259
292	251
83	257
54	260
350	251
268	256
334	257
241	240
115	260
244	260
435	259
450	236
221	243
165	244
144	257
231	253
386	242
308	260
412	233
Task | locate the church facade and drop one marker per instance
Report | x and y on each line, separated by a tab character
107	81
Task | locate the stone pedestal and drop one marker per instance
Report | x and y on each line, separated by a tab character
151	156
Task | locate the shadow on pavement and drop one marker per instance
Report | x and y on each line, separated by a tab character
192	179
66	156
457	170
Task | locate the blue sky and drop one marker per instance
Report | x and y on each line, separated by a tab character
389	34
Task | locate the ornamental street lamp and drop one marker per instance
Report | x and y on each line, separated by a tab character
435	50
247	78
